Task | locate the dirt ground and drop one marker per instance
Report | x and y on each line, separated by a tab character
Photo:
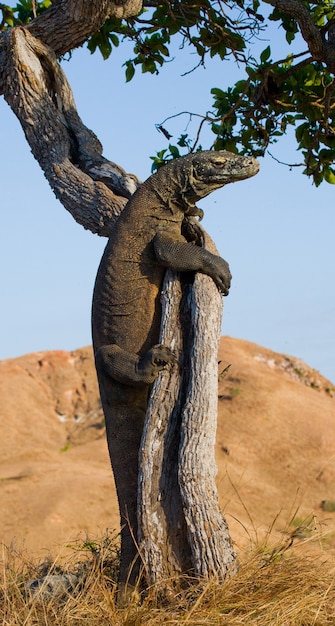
275	450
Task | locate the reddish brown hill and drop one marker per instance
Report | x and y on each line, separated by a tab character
275	447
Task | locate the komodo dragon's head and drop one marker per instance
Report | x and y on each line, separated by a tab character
196	175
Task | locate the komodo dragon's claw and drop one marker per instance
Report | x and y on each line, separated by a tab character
155	360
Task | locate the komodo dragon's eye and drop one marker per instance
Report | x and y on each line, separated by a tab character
219	164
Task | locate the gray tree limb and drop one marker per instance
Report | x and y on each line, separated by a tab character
69	23
321	49
181	527
93	189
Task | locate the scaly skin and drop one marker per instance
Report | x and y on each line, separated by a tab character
126	311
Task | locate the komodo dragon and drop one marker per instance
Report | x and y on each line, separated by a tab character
126	311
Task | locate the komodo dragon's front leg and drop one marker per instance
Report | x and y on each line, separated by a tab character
182	256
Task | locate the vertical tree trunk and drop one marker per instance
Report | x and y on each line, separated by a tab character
181	528
208	535
162	528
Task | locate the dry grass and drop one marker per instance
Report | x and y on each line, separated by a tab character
274	587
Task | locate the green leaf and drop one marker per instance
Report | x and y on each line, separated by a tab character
216	129
219	93
183	140
290	36
130	70
149	65
114	39
265	55
329	175
327	155
317	178
174	151
300	131
240	85
105	49
158	160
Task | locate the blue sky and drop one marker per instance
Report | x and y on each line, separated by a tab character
276	230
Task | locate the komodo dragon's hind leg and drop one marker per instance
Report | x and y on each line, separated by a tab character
128	368
125	380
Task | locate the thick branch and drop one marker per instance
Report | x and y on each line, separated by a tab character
69	23
91	188
207	530
320	49
162	529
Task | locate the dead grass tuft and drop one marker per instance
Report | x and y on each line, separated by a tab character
275	586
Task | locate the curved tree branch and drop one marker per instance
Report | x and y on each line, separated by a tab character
93	189
321	49
69	23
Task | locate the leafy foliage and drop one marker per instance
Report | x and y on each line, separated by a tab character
271	95
203	25
257	111
22	13
296	91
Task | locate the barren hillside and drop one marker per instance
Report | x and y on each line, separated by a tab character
275	449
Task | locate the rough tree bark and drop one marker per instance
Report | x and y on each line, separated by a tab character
182	528
320	42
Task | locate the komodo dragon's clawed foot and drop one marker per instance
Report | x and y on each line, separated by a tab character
156	359
130	369
218	269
